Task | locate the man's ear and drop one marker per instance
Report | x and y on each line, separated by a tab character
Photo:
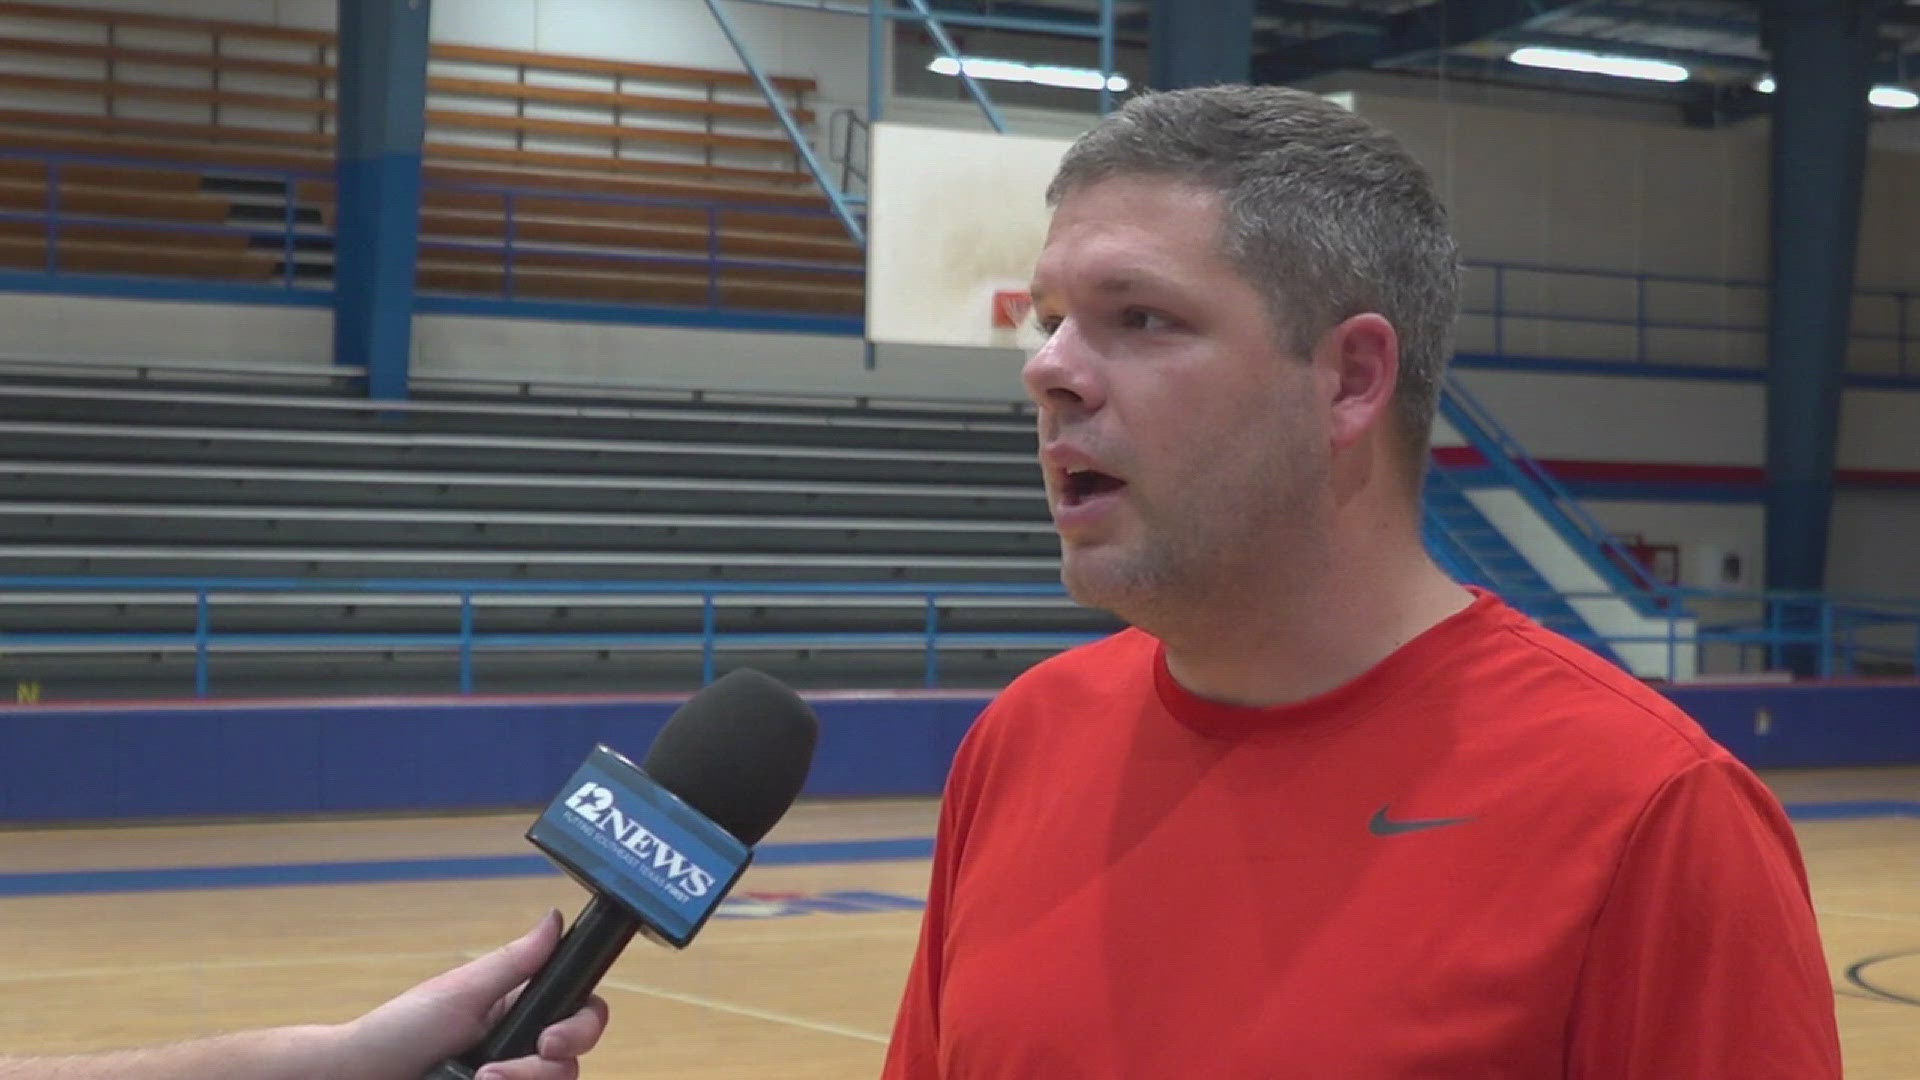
1363	356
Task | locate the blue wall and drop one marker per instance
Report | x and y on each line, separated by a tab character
1813	724
74	765
62	764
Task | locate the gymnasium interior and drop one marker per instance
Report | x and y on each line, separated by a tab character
398	400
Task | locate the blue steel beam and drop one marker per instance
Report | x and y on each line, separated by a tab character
1419	30
933	26
383	95
1200	44
1819	146
835	197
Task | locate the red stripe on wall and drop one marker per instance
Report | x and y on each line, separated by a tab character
1653	472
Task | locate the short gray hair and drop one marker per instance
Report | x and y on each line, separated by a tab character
1323	212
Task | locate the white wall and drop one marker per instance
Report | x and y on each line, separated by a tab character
1597	418
52	328
654	356
1634	196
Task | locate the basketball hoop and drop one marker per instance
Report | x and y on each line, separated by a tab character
1011	308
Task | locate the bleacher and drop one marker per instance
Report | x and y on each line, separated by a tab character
156	145
159	483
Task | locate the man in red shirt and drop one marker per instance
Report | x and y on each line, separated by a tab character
1320	812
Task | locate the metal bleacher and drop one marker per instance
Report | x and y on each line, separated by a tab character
589	538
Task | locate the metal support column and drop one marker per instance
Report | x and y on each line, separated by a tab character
1199	44
1822	52
383	97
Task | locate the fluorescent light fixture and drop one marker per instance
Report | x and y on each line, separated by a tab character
981	67
1893	97
1887	97
1625	67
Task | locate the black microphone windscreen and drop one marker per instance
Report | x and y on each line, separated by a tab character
738	752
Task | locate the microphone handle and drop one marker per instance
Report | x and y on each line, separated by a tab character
557	991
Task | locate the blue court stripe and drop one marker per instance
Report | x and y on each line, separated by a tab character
1847	811
161	879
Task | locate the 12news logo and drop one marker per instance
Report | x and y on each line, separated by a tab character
594	803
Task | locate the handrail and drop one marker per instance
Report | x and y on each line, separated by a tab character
1440	478
311	177
467	641
1831	630
512	251
841	150
801	146
1618	566
1903	336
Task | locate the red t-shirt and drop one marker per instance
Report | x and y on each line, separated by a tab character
1492	855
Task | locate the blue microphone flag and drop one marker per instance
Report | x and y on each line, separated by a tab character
623	834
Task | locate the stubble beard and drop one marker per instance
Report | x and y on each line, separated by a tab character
1189	570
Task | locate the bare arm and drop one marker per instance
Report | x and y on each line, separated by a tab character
399	1040
274	1054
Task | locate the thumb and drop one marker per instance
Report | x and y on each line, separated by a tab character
478	984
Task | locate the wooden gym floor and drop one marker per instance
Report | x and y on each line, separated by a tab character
120	936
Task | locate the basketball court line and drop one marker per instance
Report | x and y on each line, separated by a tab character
450	956
267	875
211	964
744	1010
1889	916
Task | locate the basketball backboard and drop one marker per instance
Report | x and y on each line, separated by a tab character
955	220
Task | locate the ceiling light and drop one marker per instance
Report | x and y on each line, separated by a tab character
981	67
1893	97
1887	97
1626	67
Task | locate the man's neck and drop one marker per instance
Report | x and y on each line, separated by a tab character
1274	651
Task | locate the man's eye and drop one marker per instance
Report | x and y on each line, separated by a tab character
1142	319
1046	324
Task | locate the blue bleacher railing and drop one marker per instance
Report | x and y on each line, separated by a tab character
466	641
1851	636
1895	306
1896	312
512	250
286	235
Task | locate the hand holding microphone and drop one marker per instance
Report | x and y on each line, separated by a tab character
659	845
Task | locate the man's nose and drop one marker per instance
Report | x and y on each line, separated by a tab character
1063	373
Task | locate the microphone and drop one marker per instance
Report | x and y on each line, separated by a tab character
659	845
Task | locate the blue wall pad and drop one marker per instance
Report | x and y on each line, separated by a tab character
199	761
1810	724
206	760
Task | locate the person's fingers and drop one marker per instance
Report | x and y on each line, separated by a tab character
479	984
577	1034
530	1068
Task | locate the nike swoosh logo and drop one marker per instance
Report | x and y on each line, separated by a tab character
1382	825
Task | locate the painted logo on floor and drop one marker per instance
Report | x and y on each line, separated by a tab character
781	905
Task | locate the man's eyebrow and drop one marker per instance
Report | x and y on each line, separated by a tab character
1116	284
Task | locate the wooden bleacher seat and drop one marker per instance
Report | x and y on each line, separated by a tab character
641	147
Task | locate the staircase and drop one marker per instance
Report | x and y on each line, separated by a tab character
1521	535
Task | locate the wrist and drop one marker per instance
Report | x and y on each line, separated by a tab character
329	1052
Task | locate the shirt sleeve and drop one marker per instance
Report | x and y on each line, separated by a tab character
1705	961
914	1051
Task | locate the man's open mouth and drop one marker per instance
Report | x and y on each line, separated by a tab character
1084	484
